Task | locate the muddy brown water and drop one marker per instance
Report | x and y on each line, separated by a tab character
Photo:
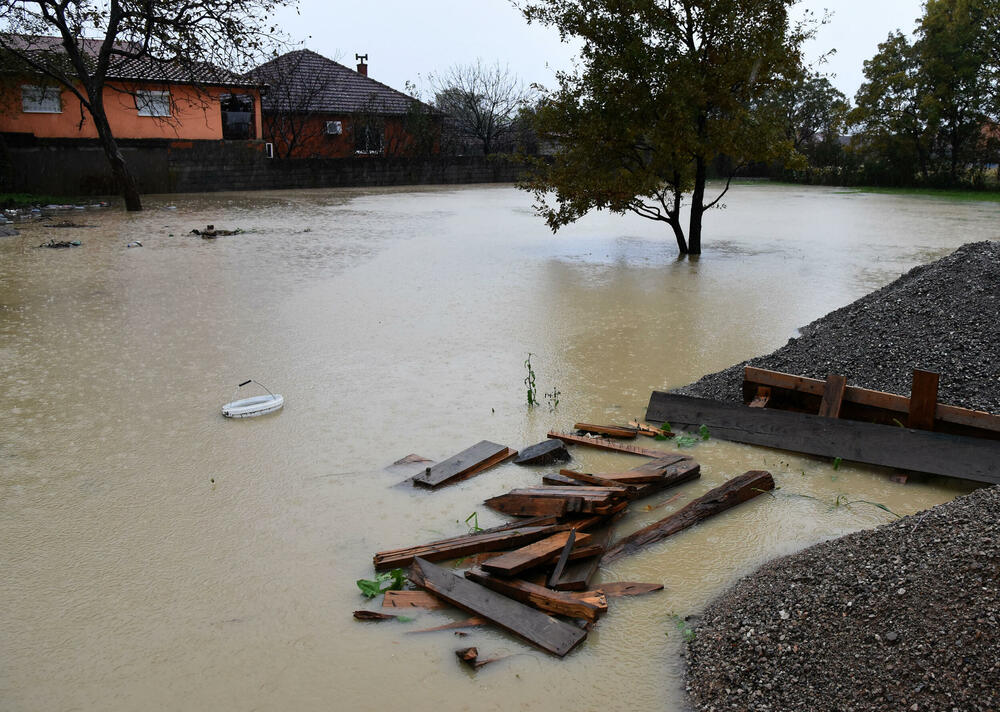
155	555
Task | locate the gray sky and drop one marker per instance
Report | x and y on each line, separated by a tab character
407	40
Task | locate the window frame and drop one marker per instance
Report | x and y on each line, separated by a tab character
145	107
42	91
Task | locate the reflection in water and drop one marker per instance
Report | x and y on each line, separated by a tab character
393	321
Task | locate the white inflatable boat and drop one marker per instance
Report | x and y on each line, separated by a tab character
256	405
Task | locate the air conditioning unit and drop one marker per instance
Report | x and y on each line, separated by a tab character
334	128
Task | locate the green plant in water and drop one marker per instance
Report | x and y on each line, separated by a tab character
373	587
683	627
704	432
553	398
664	433
529	383
844	501
836	462
474	525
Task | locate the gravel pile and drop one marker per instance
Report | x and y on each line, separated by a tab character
939	317
903	617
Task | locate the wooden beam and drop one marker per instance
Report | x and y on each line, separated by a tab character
833	395
514	562
976	459
563	559
652	471
412	599
896	404
537	628
465	464
735	491
608	431
585	478
648	430
605	444
462	546
542	598
578	574
923	400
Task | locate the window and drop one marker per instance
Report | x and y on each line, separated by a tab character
41	100
152	103
369	136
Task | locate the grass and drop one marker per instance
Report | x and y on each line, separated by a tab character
971	196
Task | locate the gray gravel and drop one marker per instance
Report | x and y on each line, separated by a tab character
940	317
903	617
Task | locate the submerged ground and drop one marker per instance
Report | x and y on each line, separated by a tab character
156	554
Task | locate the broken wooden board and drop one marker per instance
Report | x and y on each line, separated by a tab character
577	479
935	453
683	471
465	464
605	444
652	471
462	546
412	599
364	615
543	453
537	628
609	431
542	598
470	657
514	562
734	492
648	430
553	499
870	406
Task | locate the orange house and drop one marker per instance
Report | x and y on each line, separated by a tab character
143	98
318	108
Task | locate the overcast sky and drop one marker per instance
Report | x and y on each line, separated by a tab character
407	40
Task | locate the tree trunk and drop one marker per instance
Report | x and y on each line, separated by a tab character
682	245
119	168
697	207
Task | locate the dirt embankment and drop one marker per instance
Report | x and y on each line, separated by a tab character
903	617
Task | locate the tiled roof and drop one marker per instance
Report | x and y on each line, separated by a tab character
148	69
305	81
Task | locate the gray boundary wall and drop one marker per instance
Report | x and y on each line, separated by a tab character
77	167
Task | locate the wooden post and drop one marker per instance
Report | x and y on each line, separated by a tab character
923	400
833	396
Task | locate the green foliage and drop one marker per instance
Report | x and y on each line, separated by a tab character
386	581
683	628
529	383
474	525
552	398
664	433
836	462
686	440
661	92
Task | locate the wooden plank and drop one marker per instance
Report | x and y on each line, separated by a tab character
467	623
683	471
463	464
605	444
619	589
556	479
833	395
896	404
923	400
542	598
578	574
584	478
652	471
412	599
462	546
648	430
364	615
527	506
537	628
608	431
514	562
914	450
543	453
563	559
734	492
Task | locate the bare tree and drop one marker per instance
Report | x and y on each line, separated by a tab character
482	102
97	40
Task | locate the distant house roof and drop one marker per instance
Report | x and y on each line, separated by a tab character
309	82
121	68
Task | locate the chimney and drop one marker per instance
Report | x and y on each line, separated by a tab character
362	64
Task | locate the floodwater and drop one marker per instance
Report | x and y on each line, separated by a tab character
155	555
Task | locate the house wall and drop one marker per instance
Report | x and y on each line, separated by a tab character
196	114
312	141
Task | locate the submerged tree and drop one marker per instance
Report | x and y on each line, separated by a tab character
82	44
664	89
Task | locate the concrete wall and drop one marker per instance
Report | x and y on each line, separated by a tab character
67	167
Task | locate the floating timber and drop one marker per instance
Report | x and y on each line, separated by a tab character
539	629
554	499
543	453
576	575
514	562
542	598
463	546
609	431
606	444
790	392
869	443
412	599
735	491
481	456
